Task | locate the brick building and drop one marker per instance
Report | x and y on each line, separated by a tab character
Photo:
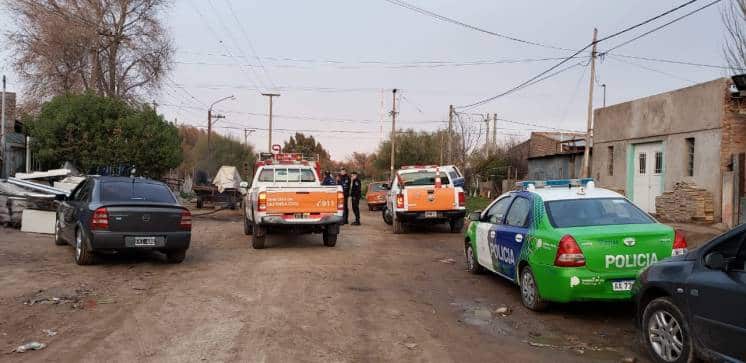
678	154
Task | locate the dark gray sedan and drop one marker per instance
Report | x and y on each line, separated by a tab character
105	214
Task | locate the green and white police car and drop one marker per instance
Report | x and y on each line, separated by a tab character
566	240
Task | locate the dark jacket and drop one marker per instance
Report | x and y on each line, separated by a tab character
356	189
328	180
344	180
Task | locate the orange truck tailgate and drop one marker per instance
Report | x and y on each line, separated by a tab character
302	201
422	199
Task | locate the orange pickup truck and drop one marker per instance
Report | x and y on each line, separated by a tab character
424	194
287	197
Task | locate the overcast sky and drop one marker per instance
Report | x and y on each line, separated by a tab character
336	61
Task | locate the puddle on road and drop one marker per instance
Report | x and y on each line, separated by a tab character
482	315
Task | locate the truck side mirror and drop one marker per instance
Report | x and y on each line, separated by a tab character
475	216
386	186
244	185
715	261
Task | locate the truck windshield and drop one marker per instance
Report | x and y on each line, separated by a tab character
287	175
423	177
594	212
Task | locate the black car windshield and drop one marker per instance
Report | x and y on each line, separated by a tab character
127	191
422	177
594	212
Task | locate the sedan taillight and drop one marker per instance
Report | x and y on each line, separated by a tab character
100	219
186	220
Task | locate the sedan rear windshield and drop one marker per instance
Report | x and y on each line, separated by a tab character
376	187
423	177
594	212
124	191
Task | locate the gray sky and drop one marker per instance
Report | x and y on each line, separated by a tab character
331	59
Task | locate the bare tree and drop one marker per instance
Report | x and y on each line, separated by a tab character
734	19
115	48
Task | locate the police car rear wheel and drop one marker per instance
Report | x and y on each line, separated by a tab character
529	291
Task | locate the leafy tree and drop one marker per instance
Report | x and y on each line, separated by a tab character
308	146
225	151
412	148
93	131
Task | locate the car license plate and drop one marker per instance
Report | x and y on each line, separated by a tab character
300	215
622	285
144	241
431	214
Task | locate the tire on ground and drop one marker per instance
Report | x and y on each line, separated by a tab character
456	225
330	239
258	237
58	234
248	227
175	256
471	261
537	303
665	304
86	257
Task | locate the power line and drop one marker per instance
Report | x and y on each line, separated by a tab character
468	26
655	70
663	25
671	61
249	42
536	77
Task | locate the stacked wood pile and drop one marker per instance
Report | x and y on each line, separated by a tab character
686	203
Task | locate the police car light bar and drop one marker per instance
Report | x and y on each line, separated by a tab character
410	167
556	183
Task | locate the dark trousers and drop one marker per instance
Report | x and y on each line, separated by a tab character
346	213
356	208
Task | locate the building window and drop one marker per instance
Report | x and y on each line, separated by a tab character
610	161
658	162
690	156
643	162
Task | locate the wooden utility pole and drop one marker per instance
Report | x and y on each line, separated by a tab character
487	130
6	159
589	131
209	127
450	134
393	130
494	130
246	133
271	97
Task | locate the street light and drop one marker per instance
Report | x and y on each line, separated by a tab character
209	127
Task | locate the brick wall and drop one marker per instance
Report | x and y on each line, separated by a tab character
541	145
10	110
733	131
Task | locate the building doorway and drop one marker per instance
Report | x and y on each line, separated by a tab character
647	175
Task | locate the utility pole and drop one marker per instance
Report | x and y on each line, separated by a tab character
450	134
487	130
209	127
246	133
271	97
589	131
393	130
3	173
441	147
604	86
155	106
494	130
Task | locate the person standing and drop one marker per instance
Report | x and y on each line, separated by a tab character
328	180
344	181
356	191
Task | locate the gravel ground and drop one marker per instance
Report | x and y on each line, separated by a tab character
376	296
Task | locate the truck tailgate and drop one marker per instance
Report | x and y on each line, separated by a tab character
429	198
302	200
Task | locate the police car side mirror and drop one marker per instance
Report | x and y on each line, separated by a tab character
475	216
715	261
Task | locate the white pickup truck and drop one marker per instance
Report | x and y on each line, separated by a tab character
288	198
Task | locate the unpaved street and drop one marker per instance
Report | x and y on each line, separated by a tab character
374	297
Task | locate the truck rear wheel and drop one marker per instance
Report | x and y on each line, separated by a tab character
330	239
257	237
387	218
457	225
398	226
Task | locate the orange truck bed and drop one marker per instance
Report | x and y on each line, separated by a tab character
430	198
323	201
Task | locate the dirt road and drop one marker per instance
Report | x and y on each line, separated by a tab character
374	297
